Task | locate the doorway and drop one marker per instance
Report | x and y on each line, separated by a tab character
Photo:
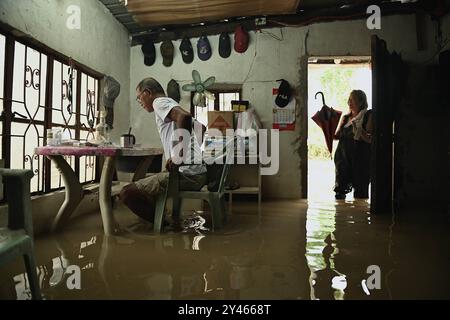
336	77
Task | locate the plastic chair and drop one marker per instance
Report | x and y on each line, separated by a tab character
17	238
214	194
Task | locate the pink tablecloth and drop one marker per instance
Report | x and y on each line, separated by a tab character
77	151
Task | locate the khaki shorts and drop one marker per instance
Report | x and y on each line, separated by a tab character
157	183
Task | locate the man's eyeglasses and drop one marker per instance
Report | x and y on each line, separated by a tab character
138	98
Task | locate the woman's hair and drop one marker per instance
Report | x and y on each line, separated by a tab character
360	98
150	84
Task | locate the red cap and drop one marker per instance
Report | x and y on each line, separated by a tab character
240	39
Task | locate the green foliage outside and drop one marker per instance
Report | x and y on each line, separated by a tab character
336	85
316	151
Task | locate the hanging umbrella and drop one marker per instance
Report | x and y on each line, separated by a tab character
328	119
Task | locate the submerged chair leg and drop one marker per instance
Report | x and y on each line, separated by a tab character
176	208
224	208
217	212
30	266
159	212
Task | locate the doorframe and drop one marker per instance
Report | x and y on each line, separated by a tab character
304	75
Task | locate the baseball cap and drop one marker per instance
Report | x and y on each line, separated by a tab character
173	90
187	53
167	52
224	45
241	39
203	48
148	49
284	94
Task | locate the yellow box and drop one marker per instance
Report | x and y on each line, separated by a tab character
239	105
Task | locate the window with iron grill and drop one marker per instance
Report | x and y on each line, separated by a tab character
40	90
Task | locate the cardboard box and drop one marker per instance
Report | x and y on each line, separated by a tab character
221	120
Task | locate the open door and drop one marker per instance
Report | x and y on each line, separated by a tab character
383	119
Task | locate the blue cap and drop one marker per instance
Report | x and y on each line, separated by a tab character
203	48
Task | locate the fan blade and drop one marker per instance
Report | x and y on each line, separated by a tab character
189	87
209	82
210	95
202	102
196	77
196	99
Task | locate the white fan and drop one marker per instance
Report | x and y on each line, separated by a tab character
200	89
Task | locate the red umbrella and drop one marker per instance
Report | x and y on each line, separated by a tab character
328	119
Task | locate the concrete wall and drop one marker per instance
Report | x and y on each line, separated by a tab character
265	61
102	44
274	54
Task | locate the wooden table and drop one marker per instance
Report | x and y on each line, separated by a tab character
73	187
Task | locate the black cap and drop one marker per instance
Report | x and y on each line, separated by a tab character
148	49
224	45
167	52
284	94
187	52
173	90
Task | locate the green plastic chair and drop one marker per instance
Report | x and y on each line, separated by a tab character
214	195
17	238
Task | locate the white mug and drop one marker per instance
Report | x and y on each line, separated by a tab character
127	141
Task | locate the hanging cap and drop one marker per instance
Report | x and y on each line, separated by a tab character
284	94
224	45
167	52
173	90
187	52
148	49
241	39
203	48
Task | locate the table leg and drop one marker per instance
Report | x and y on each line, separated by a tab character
74	192
110	226
142	168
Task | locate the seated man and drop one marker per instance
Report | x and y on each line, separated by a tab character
141	196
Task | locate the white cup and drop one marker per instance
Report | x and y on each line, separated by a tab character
127	141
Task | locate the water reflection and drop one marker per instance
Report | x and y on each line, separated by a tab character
179	266
298	251
321	248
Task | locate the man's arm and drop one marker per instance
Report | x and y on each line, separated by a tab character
183	120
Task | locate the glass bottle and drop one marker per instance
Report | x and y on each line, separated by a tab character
102	130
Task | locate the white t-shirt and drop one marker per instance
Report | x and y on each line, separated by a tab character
166	128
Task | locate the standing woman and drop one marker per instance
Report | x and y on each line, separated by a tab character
352	157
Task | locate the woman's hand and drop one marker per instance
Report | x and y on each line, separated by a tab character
366	136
